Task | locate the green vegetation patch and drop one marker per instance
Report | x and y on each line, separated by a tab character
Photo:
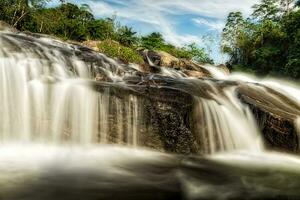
268	42
114	49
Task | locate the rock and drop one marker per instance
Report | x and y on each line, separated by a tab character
164	59
160	58
93	44
145	68
7	27
101	77
196	74
164	116
224	68
167	59
275	114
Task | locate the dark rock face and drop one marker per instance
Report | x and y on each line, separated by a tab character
164	122
275	115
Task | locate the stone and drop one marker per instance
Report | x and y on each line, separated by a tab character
164	59
275	114
93	44
224	68
195	74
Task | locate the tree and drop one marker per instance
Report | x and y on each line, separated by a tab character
76	22
15	11
102	29
234	26
268	43
291	24
287	5
126	36
266	10
198	54
153	41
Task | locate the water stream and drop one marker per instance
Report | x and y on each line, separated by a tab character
62	139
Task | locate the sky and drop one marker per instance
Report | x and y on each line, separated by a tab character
181	22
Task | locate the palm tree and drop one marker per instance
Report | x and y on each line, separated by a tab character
126	36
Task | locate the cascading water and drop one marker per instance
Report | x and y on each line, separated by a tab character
280	93
226	125
46	97
52	95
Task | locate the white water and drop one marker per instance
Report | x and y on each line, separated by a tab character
215	72
45	102
47	97
226	125
42	100
288	89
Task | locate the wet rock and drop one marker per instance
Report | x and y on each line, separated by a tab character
162	58
157	59
93	44
195	74
7	27
224	68
275	114
164	122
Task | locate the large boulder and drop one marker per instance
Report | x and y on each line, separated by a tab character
156	59
164	59
275	114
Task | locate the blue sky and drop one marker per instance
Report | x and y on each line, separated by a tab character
180	21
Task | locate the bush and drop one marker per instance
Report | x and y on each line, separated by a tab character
114	49
292	68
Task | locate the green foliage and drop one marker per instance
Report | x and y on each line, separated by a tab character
101	29
234	26
269	44
76	22
17	12
126	36
292	68
198	54
115	50
153	41
266	10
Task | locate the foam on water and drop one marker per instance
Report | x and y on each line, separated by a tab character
47	100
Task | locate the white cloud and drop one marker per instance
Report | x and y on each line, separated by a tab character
156	14
207	8
211	24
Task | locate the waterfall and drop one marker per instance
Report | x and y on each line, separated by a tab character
279	88
225	125
48	95
215	72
